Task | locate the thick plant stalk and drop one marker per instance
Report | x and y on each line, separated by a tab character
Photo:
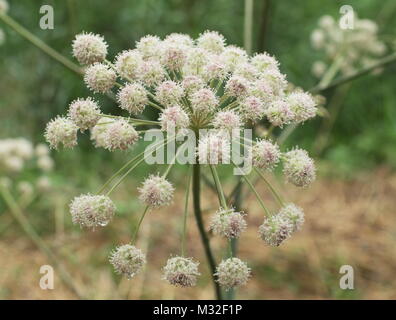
248	27
198	217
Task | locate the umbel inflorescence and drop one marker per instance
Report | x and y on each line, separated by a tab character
193	85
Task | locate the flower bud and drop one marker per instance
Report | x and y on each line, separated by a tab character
279	113
100	78
302	105
156	192
85	113
275	229
133	98
169	92
228	223
128	63
252	108
299	168
174	118
237	87
294	214
212	41
92	210
61	131
127	260
181	272
120	135
89	48
265	155
232	273
149	46
227	120
213	148
204	101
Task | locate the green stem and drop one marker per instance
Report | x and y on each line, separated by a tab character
196	189
183	246
273	191
381	63
39	43
244	177
37	240
248	26
218	186
139	224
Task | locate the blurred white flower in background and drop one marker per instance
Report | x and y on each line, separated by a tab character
23	166
350	49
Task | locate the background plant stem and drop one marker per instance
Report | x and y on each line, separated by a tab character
36	239
248	26
40	43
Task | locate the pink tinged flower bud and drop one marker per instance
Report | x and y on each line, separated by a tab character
149	46
303	106
151	72
133	98
127	64
169	92
120	135
92	211
98	132
294	214
252	108
262	89
279	113
173	57
246	71
89	48
212	41
228	223
232	56
127	260
100	78
213	148
197	58
276	80
174	118
181	272
85	113
204	101
192	84
156	192
265	155
61	130
227	120
299	168
275	229
232	273
215	69
237	87
264	62
178	39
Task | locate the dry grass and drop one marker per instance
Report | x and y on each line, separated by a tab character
347	222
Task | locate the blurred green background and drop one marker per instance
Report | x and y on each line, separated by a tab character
34	88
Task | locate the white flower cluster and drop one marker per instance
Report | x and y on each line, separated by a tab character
352	48
19	155
194	84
